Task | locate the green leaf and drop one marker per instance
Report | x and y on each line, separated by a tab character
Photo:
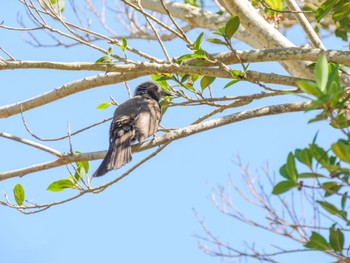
104	60
319	117
60	185
310	175
342	150
317	242
336	239
330	208
324	9
319	154
206	81
109	51
84	164
331	188
220	32
309	88
291	169
343	200
18	193
124	44
189	87
79	174
198	42
304	156
190	56
231	26
103	105
283	171
231	83
321	73
284	186
275	4
216	41
341	11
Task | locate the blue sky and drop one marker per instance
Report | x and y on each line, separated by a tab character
148	216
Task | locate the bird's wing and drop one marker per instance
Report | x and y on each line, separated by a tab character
147	119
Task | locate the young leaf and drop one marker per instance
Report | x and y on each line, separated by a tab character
231	83
18	193
317	242
231	26
79	174
324	9
206	81
60	185
291	169
198	42
321	73
84	164
104	60
304	156
342	150
216	41
103	105
309	88
124	44
109	51
284	186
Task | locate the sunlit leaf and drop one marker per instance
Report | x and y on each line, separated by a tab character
216	41
321	72
18	193
104	60
232	82
206	81
309	88
342	150
324	9
198	42
124	44
231	26
103	105
60	185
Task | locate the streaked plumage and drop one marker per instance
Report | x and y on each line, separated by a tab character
136	118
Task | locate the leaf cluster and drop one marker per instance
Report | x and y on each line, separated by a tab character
329	168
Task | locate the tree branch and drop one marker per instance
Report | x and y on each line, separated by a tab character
169	137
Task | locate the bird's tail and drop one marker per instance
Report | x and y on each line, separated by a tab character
118	154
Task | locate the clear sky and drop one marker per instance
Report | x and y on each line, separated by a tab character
149	215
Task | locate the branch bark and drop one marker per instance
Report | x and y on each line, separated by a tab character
168	137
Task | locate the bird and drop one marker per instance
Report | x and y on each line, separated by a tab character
137	118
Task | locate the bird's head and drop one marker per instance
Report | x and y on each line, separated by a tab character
152	90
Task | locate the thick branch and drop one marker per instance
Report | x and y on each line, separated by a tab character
66	90
269	36
246	56
196	17
169	137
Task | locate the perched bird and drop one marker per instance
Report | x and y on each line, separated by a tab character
136	118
